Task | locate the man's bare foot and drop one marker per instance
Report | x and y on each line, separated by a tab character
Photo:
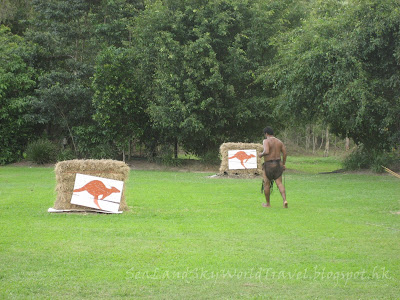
266	205
285	204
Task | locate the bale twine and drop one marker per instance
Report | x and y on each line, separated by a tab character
224	168
66	172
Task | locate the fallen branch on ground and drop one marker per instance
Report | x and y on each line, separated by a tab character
391	172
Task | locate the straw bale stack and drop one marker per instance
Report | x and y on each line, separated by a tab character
65	177
224	168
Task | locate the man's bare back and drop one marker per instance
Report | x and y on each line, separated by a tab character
273	148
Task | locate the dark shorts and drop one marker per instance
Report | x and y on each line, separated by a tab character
273	169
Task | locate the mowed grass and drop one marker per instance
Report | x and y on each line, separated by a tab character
188	236
314	165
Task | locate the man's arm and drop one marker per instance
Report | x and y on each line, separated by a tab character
266	149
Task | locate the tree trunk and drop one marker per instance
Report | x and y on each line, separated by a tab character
133	147
322	140
176	148
326	151
334	147
314	140
69	129
347	147
129	149
308	138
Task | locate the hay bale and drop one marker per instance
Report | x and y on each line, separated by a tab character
66	172
224	168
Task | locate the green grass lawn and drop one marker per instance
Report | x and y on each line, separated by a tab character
192	237
309	164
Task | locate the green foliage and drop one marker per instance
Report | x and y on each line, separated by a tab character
198	63
166	157
117	100
95	143
63	54
357	160
211	158
363	158
110	21
68	37
41	152
17	83
13	14
196	72
341	65
66	154
384	159
62	30
64	100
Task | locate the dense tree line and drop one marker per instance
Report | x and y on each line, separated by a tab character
102	73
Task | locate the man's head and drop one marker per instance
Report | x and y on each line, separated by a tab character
268	130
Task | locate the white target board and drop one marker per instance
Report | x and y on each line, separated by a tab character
97	192
242	159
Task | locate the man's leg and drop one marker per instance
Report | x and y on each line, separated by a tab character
281	188
267	192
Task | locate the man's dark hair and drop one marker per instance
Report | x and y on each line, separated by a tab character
268	130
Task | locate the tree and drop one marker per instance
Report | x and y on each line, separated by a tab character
63	55
65	101
342	65
110	19
119	107
17	82
199	62
14	13
69	35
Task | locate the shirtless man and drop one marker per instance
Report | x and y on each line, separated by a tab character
273	166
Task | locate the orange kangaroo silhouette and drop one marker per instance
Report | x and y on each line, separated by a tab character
241	155
97	188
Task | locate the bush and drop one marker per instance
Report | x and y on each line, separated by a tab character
41	151
374	160
66	154
211	158
166	157
358	159
384	159
102	151
94	143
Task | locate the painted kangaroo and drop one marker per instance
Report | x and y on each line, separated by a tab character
97	188
241	155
